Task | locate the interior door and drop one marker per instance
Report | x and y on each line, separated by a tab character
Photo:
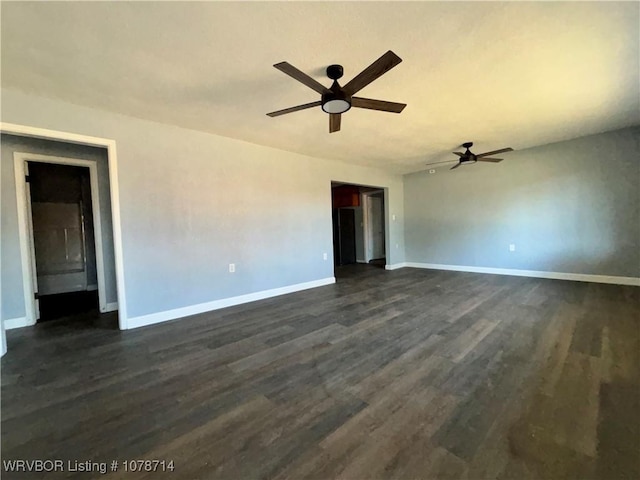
58	237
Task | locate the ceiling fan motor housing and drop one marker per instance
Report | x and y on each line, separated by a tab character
469	157
336	100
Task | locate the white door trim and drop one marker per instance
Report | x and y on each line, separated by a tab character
25	221
26	239
110	145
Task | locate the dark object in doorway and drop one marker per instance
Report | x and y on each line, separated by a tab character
378	262
66	304
344	236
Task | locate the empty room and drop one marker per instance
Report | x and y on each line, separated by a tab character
323	240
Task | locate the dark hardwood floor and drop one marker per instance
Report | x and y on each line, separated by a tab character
405	374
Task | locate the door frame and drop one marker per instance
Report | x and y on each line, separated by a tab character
110	146
25	227
366	200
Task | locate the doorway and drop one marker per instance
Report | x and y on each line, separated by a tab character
63	239
61	230
359	226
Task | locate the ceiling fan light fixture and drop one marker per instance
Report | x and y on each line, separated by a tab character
335	102
336	106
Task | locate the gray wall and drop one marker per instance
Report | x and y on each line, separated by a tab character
571	207
12	292
191	203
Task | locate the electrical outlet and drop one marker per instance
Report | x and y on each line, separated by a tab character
232	268
393	217
324	256
512	247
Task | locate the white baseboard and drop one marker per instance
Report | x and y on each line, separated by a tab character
19	322
143	320
577	277
111	307
395	266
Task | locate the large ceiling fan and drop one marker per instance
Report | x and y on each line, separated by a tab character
336	100
470	157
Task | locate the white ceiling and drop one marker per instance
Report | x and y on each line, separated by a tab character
496	73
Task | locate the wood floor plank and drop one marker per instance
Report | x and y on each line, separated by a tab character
470	339
284	349
423	411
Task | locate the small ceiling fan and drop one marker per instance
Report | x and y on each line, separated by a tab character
336	100
470	157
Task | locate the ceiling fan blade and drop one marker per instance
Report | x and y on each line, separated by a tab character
301	77
486	154
295	109
437	163
334	122
460	154
378	68
456	165
486	159
377	104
